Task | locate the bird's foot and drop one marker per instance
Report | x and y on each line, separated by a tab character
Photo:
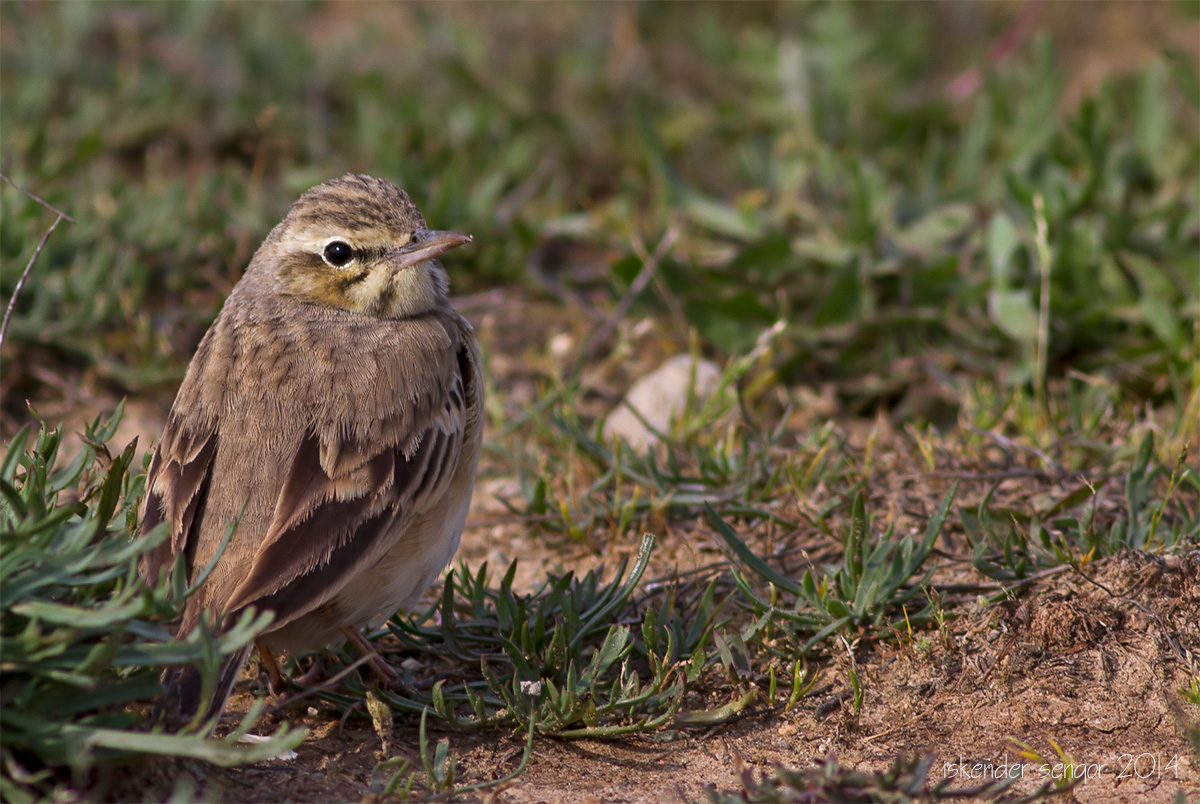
274	677
315	674
383	671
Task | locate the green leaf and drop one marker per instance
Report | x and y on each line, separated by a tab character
1164	320
934	230
1013	314
769	256
842	303
747	555
1002	243
733	322
1152	121
14	450
972	148
226	753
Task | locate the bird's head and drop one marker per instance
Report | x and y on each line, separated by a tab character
361	244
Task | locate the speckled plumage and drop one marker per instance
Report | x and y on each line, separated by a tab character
337	410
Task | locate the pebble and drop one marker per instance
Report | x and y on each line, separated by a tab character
659	397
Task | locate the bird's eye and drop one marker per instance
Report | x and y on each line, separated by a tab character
338	253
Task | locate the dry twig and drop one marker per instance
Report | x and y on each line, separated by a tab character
12	302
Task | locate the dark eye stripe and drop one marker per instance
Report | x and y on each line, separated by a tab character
349	281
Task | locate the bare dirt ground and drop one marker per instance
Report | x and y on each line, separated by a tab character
1091	665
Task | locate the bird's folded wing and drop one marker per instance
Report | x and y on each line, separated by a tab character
340	509
176	486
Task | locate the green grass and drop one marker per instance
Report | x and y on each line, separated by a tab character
83	640
1005	286
806	177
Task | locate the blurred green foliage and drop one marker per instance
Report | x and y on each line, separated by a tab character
83	639
810	157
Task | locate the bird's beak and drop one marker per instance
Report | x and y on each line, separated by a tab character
426	244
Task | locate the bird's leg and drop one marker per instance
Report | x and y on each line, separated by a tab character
314	673
382	669
274	677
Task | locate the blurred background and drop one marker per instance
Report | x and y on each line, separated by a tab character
925	242
890	180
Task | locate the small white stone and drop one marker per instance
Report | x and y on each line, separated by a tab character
561	344
286	756
659	397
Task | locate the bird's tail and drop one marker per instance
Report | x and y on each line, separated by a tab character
183	696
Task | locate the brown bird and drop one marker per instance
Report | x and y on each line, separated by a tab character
334	411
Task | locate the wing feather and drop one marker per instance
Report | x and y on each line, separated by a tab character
323	508
341	508
177	486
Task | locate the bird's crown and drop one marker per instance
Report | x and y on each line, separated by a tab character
361	244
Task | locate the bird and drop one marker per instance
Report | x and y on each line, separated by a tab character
332	415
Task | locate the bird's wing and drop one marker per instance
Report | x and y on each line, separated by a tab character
176	487
343	503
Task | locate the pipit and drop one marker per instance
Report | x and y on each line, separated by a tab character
333	411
